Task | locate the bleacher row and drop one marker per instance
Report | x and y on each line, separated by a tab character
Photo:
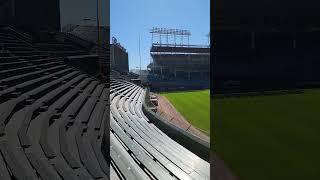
58	46
139	150
52	116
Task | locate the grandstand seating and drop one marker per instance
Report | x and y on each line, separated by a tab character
50	42
54	118
51	116
139	150
90	33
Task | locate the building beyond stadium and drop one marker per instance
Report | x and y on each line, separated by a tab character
119	56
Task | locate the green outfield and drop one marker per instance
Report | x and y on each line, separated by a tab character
194	106
269	137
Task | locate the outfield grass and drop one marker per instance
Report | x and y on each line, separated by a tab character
194	106
269	137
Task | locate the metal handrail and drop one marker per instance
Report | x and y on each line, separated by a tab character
25	36
77	40
81	41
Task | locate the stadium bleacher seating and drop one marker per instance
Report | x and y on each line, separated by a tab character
52	115
139	150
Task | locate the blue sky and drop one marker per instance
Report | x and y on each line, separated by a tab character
129	18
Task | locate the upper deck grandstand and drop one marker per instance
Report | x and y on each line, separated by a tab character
177	60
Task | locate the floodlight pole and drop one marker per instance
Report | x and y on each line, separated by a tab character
98	36
139	55
98	23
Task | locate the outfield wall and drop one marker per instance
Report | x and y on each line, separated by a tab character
165	86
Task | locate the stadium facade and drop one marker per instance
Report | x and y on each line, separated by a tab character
119	56
176	63
180	62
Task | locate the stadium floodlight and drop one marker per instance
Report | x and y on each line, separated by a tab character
170	34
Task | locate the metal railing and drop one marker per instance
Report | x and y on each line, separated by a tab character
78	40
26	37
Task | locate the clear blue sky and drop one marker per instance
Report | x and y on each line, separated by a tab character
129	18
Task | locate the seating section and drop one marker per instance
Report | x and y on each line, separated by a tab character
52	116
53	119
89	33
139	150
59	48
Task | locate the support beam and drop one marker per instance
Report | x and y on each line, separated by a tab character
253	40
